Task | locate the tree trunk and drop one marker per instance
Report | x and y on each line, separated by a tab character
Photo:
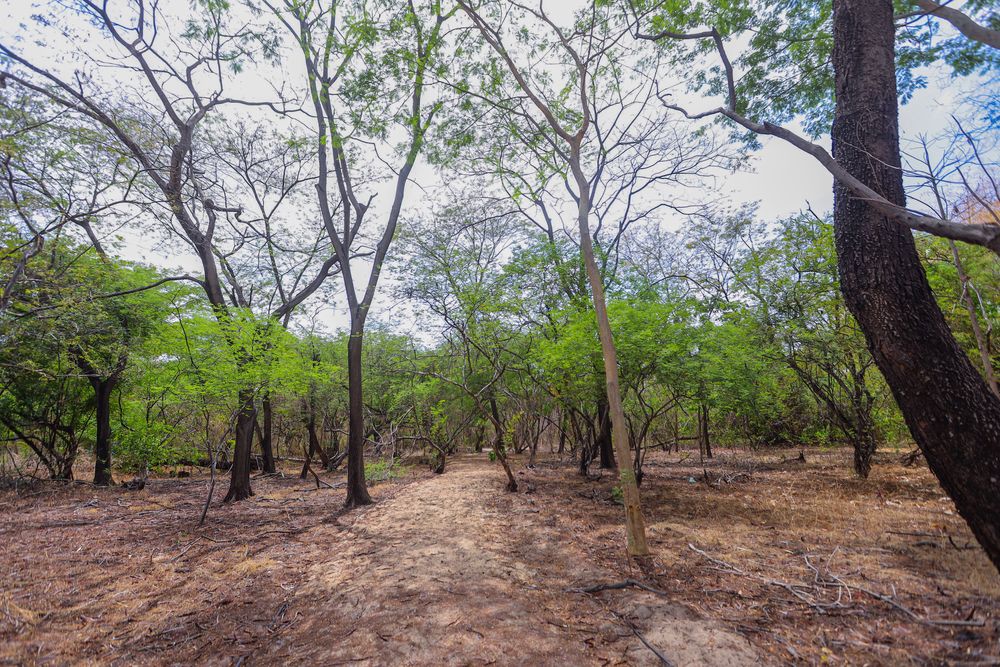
480	435
334	450
865	445
499	448
239	483
102	444
533	443
266	447
585	444
357	490
949	408
677	431
65	469
562	432
704	431
635	527
604	436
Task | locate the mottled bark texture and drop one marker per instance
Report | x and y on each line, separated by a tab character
950	410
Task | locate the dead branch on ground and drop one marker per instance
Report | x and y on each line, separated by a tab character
810	593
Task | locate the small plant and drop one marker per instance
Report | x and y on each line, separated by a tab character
383	470
617	495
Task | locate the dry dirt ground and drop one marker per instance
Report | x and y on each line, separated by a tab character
759	559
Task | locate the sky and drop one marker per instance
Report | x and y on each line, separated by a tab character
782	179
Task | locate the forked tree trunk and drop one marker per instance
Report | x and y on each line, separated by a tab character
333	453
704	433
239	482
604	445
499	448
635	527
949	408
357	490
315	449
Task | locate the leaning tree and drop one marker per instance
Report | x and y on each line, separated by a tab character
845	55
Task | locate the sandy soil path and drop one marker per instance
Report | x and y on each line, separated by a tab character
453	571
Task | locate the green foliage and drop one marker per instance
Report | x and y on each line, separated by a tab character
383	470
617	495
785	66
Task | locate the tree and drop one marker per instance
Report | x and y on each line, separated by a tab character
155	121
950	410
60	312
943	183
380	69
455	271
800	308
599	36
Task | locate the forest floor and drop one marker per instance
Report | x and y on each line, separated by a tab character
767	561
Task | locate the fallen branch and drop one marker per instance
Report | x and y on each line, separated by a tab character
628	583
635	631
802	591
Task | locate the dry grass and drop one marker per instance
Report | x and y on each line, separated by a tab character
895	534
95	576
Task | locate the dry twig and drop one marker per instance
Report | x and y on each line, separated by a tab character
809	593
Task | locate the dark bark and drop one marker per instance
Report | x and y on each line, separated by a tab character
704	432
239	483
562	431
949	408
865	445
103	384
499	448
357	490
266	442
333	453
102	443
480	437
315	448
585	443
604	444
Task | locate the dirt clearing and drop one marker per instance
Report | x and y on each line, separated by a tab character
766	561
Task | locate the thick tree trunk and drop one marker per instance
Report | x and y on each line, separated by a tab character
604	445
357	490
65	470
480	436
239	482
949	408
266	446
102	443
